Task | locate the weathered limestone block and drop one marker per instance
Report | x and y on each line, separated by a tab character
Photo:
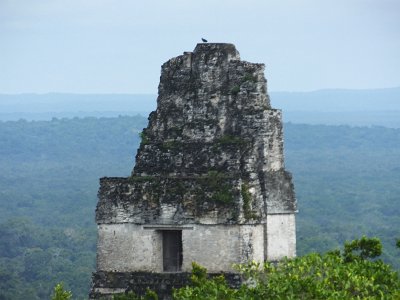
280	236
209	183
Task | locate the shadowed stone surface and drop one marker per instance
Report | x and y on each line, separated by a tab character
139	282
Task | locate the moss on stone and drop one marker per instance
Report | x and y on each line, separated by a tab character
228	139
171	145
235	90
144	138
135	178
249	77
176	188
223	195
247	199
216	183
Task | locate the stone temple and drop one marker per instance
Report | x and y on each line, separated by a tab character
209	185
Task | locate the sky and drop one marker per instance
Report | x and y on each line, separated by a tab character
118	46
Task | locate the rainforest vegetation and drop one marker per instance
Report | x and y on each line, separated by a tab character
346	179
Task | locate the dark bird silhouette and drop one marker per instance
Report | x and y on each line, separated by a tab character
204	40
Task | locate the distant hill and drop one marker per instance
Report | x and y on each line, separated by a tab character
338	100
378	107
60	105
375	107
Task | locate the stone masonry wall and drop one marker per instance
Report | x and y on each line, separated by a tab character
132	248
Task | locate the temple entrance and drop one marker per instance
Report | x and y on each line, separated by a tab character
172	250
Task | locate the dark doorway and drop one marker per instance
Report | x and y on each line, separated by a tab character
172	250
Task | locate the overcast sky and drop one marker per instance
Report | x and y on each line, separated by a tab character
118	46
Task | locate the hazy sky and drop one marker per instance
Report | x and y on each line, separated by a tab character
118	46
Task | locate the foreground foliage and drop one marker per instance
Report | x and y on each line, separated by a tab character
351	275
61	294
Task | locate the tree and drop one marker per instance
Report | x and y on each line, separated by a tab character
351	275
362	249
60	293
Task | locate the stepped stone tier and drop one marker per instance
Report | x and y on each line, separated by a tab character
209	184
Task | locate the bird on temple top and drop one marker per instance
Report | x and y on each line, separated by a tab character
204	40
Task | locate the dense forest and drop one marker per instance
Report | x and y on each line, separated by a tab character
346	179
